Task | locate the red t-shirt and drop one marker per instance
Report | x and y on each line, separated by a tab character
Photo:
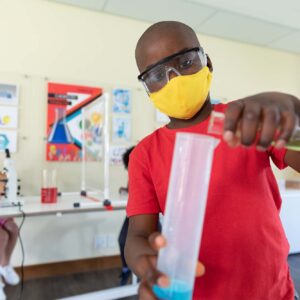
244	248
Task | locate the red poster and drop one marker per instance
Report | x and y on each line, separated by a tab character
64	119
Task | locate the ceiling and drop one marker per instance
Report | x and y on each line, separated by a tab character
268	23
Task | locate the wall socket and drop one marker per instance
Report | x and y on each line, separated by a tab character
100	242
111	241
105	241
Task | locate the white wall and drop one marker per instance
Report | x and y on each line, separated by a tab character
49	41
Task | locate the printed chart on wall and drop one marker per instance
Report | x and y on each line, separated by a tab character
8	140
116	154
9	100
64	120
121	101
9	117
8	94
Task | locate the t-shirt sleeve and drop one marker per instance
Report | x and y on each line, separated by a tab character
142	197
277	156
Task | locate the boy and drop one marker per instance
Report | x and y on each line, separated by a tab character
244	248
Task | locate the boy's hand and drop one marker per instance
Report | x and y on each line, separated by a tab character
148	273
272	115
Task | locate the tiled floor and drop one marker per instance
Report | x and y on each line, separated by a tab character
64	286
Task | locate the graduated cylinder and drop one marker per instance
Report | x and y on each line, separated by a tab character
184	214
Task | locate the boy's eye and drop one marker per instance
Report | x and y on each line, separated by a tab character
186	63
158	76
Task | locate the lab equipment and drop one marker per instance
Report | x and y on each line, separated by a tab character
12	179
12	187
184	214
96	147
60	133
49	188
216	124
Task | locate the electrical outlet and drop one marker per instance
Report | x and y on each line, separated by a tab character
111	241
100	241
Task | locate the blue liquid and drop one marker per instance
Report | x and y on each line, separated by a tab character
178	290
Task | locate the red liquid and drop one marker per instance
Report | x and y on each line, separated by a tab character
49	195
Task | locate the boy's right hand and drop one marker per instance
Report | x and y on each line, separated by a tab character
146	267
148	273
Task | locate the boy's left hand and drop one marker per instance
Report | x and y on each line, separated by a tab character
272	115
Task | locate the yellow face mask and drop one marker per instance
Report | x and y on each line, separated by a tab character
183	96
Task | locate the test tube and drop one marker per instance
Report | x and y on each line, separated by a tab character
216	124
184	214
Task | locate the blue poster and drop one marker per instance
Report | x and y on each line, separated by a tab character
121	101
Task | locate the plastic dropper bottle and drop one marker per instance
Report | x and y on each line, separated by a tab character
184	214
216	125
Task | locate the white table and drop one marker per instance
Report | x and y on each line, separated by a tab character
290	217
33	206
65	205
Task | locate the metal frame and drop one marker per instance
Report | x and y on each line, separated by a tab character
106	146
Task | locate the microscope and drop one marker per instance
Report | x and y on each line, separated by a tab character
11	183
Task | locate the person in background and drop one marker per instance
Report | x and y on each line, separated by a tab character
126	273
8	237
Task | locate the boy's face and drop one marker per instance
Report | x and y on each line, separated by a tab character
162	43
166	50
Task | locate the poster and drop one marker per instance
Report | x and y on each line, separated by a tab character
64	119
8	140
9	117
116	154
9	94
121	101
121	129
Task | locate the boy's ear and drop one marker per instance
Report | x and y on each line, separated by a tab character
209	63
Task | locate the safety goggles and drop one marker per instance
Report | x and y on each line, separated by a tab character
186	62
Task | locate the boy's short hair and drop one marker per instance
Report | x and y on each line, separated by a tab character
125	156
